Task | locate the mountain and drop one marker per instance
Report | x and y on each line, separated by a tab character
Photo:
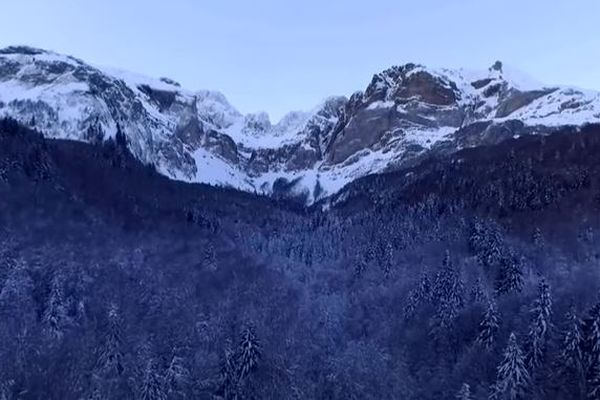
406	113
114	278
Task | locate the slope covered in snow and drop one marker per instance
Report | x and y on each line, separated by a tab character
198	136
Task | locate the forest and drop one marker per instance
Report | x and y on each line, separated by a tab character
473	275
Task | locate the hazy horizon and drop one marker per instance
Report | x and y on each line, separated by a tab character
276	58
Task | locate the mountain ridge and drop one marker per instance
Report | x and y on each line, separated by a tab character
405	113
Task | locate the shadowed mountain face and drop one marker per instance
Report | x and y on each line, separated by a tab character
116	281
406	113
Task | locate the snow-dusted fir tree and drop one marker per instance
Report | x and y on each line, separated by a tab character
489	325
477	240
388	259
228	380
370	253
593	382
176	377
591	351
16	302
513	378
572	342
571	360
485	242
249	353
541	324
151	387
111	352
476	294
424	288
447	295
210	258
510	278
418	296
464	392
55	314
238	365
6	390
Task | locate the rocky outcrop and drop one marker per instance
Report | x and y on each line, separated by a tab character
516	99
404	114
364	130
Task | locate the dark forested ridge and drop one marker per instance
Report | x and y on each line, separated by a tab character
470	276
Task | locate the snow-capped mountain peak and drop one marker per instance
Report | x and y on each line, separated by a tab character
405	112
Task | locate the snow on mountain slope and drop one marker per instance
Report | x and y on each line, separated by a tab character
565	106
183	132
198	136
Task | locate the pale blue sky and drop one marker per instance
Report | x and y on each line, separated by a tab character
277	55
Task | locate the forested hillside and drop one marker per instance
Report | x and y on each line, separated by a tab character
471	276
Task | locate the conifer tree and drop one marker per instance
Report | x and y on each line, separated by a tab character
249	353
418	296
477	295
510	277
210	261
424	289
477	240
228	379
16	303
176	377
591	350
6	390
388	259
540	325
111	353
486	243
571	362
447	294
513	378
488	328
465	392
151	387
55	314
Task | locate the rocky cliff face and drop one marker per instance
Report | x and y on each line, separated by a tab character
405	112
